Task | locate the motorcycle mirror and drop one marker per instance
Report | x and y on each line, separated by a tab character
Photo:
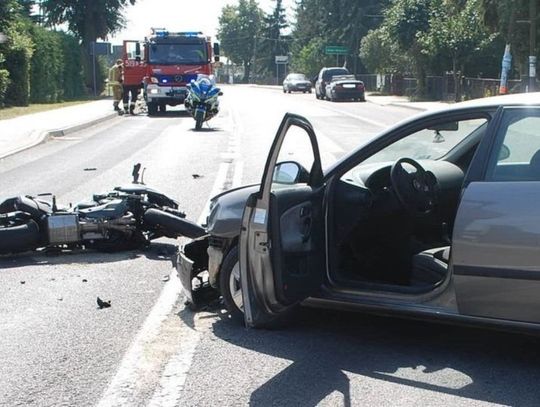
220	93
135	173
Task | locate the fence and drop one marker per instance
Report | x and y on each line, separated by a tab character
439	87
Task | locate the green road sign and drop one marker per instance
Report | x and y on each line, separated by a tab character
336	50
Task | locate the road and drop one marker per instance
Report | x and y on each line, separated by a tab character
58	349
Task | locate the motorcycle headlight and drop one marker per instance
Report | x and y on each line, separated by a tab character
153	79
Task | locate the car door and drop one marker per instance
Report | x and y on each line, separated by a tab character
134	66
496	243
282	241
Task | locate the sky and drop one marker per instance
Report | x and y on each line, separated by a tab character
196	15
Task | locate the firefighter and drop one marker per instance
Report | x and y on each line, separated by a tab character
115	81
133	91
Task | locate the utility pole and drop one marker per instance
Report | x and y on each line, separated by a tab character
532	43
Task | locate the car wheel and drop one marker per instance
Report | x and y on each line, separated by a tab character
284	90
229	285
152	108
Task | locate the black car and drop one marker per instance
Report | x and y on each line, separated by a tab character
325	77
345	87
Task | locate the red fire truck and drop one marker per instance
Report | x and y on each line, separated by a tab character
164	63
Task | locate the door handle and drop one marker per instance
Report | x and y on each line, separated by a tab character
306	229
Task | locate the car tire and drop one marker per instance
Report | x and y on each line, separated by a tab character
229	285
284	90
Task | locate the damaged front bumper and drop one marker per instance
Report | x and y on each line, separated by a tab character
199	285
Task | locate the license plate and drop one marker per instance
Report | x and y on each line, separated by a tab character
349	86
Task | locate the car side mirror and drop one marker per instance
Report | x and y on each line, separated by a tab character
290	173
504	153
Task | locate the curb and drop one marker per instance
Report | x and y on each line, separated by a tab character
48	134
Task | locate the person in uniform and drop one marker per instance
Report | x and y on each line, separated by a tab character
133	91
115	81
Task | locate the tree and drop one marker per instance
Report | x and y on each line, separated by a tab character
381	54
407	21
333	22
87	19
272	42
239	29
455	32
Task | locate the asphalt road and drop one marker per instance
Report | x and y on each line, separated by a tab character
57	348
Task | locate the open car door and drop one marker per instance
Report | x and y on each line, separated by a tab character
282	241
134	65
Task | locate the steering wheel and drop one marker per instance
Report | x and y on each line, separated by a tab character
417	191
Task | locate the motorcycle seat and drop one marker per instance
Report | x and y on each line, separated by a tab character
32	206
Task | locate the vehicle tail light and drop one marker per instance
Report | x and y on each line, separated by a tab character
360	86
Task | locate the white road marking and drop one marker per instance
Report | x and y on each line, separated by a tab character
131	373
358	117
133	367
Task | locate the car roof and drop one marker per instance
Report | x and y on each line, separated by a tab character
516	99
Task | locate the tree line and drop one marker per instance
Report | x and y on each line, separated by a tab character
39	64
405	37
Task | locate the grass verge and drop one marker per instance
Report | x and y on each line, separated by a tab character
11	112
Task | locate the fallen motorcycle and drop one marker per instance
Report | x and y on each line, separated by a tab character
124	219
202	100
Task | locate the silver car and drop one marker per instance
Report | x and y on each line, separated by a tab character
436	218
296	82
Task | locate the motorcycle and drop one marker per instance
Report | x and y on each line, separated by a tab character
202	100
127	218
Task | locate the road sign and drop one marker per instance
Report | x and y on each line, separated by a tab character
282	59
336	50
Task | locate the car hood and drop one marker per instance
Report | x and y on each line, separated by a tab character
226	210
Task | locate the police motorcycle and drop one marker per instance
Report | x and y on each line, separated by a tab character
202	100
127	218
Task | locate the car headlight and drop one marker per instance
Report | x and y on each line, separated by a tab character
154	91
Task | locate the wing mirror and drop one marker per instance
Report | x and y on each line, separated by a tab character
290	173
504	153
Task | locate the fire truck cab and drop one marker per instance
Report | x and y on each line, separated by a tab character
164	63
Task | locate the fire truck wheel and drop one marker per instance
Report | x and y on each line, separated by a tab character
152	108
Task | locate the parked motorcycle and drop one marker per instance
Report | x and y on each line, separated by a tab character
124	219
202	100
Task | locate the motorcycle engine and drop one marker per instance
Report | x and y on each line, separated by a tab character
63	229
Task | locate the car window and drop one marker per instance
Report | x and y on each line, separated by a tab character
296	148
429	143
516	154
333	72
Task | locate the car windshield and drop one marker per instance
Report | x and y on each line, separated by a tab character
334	72
428	144
170	54
297	77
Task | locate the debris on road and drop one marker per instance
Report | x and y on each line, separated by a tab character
103	304
23	282
84	280
165	278
195	176
90	169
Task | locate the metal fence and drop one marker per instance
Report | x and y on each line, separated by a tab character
439	87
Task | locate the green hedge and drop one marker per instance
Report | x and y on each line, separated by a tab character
46	66
72	71
4	82
17	61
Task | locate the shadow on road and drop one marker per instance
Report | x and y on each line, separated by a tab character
475	364
156	251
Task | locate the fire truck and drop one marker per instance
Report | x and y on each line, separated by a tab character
165	62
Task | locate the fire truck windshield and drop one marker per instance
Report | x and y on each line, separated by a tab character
173	54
